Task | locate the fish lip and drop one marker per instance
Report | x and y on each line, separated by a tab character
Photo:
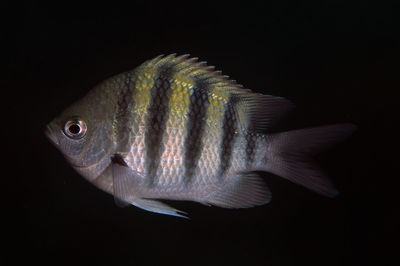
50	135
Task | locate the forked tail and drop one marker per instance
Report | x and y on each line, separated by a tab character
289	155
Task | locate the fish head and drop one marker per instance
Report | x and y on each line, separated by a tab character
83	134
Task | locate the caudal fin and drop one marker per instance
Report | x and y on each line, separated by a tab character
289	155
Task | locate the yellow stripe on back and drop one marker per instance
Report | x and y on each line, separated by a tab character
179	101
145	79
216	108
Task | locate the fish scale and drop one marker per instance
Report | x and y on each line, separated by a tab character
173	128
250	148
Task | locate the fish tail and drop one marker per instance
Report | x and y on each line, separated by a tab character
289	155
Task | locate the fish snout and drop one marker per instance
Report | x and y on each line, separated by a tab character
49	132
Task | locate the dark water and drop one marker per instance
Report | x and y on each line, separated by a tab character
338	62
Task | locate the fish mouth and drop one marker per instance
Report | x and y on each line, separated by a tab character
50	135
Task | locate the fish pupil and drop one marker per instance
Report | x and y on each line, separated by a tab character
74	129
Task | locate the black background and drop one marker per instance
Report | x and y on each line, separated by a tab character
338	61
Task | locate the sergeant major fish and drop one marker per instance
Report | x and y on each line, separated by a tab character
173	128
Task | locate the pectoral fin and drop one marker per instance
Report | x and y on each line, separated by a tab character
124	182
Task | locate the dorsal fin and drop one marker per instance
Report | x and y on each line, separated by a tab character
256	112
191	67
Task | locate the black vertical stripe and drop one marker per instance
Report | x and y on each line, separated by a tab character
124	113
195	129
158	112
250	148
229	135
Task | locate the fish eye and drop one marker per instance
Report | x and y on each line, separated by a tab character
75	128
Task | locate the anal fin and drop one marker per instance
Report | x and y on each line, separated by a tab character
247	190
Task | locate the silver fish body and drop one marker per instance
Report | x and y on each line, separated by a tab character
175	129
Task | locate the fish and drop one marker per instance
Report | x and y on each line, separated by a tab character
174	128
